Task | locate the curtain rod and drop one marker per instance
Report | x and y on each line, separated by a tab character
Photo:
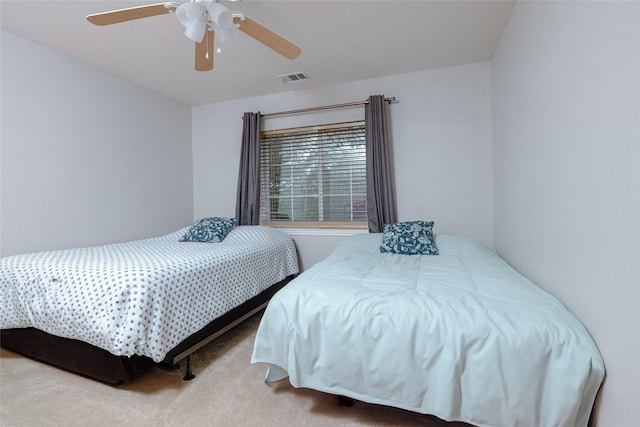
391	100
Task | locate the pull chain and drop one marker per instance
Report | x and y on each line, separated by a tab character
206	35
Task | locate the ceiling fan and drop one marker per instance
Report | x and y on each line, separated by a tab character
202	19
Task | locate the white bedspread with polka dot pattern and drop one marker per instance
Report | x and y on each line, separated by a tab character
142	297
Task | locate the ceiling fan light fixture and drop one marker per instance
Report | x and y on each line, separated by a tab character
220	15
189	12
191	15
224	34
195	31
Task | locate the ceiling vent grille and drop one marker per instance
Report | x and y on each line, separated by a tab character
293	77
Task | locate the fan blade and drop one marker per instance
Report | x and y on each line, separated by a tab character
129	14
204	53
267	37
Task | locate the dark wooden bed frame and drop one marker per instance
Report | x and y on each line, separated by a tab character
95	363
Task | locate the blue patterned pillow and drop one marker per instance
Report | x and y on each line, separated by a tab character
211	230
409	238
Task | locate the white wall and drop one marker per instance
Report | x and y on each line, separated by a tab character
566	117
86	157
441	144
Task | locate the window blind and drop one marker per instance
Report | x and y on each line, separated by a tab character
314	176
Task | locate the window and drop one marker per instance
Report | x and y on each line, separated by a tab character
314	177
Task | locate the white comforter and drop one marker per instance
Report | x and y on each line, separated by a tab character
142	297
460	335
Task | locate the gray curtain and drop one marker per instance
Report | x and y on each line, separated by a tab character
248	199
381	205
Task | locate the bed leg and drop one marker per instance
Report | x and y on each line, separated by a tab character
188	376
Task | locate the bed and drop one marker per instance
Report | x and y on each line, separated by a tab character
109	312
459	335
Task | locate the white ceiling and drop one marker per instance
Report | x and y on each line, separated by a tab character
341	41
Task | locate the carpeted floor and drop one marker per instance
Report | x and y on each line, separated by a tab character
227	391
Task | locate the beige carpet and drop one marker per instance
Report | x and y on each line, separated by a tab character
227	391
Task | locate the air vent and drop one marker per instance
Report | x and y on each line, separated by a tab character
293	77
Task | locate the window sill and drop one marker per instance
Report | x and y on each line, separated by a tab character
323	231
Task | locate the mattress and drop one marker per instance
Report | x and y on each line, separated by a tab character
143	297
460	335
